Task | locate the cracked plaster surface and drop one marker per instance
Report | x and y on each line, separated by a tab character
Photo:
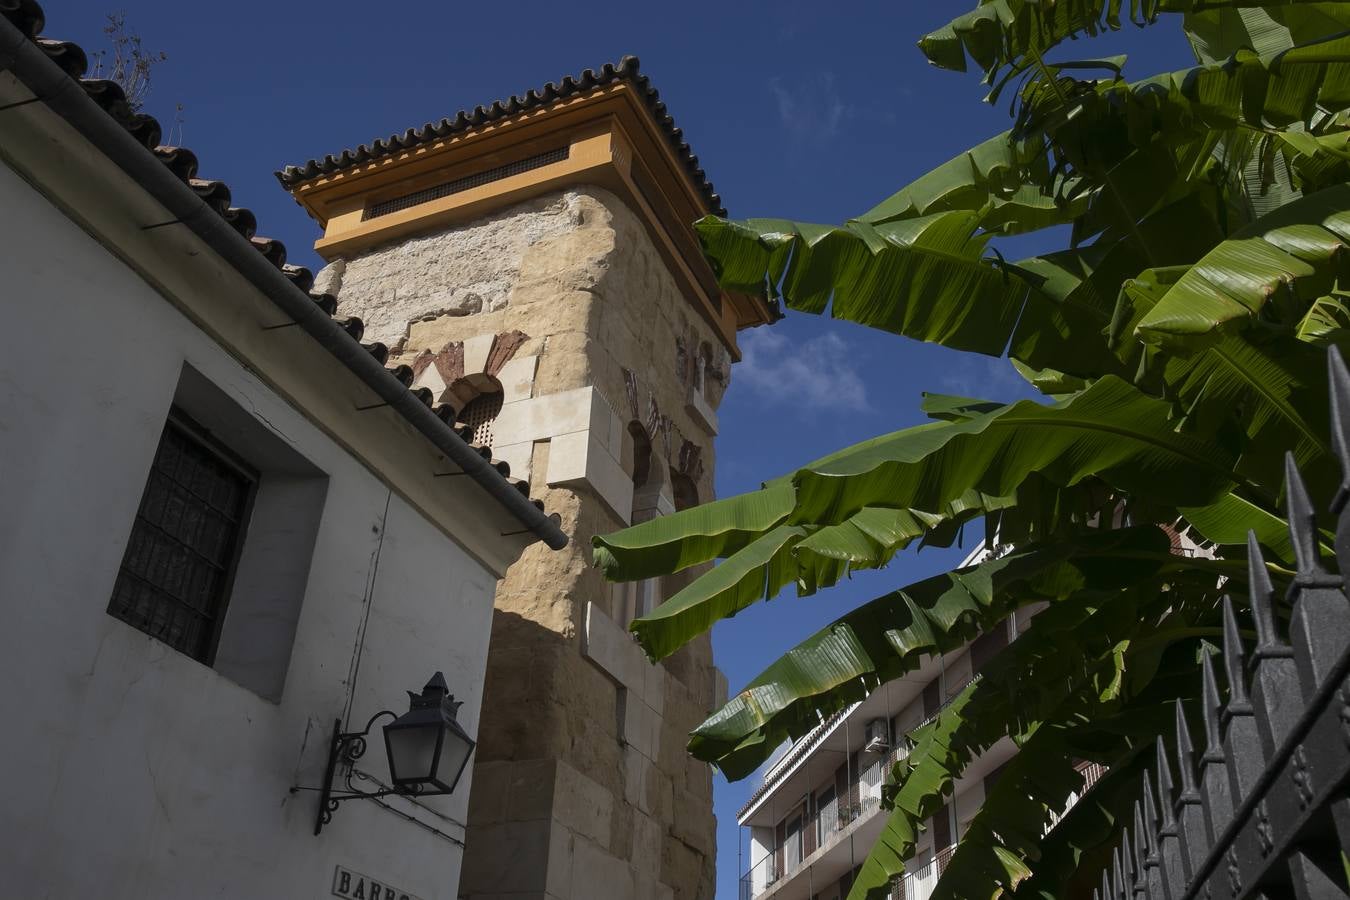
467	270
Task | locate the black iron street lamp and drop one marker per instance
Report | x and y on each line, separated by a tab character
427	748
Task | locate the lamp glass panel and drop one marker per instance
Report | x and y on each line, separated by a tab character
454	752
412	752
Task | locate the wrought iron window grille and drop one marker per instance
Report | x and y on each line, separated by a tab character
178	569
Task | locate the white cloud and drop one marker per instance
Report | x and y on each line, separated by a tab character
813	111
817	373
984	378
810	109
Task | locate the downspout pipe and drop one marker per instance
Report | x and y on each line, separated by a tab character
64	96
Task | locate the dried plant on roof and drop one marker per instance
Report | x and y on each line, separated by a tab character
126	61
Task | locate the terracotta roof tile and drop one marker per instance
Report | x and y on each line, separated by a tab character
28	17
625	70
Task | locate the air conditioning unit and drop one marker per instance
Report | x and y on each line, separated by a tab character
876	736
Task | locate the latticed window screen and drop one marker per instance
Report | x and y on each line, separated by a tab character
175	577
480	413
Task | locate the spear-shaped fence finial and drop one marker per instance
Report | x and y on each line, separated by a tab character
1213	709
1166	799
1302	520
1191	827
1238	702
1263	599
1339	378
1213	762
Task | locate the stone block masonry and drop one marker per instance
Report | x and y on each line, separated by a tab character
582	787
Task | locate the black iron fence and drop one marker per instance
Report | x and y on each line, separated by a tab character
1263	811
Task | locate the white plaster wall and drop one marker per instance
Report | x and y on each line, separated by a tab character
132	770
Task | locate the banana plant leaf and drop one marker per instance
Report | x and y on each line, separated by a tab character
816	557
902	276
1089	827
1247	90
722	528
950	408
890	636
1005	847
1266	382
1228	520
1000	33
1327	321
1217	31
812	557
1110	430
1071	687
674	543
1006	182
1048	312
1067	320
1269	274
1060	667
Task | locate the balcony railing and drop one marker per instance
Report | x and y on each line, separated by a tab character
914	884
784	862
918	883
1092	773
820	829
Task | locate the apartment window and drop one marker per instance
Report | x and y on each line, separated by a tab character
794	844
175	578
827	819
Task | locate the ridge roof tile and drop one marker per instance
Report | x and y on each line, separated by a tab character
626	70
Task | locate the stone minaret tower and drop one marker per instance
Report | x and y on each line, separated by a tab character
533	263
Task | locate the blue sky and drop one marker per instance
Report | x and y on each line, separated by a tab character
813	111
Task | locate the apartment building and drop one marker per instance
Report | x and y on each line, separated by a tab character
818	811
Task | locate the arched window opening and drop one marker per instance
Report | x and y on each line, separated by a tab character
642	453
684	492
480	413
638	598
701	367
684	489
478	400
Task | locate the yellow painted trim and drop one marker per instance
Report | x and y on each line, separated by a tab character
348	233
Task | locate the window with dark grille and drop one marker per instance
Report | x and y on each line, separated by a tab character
175	577
479	414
